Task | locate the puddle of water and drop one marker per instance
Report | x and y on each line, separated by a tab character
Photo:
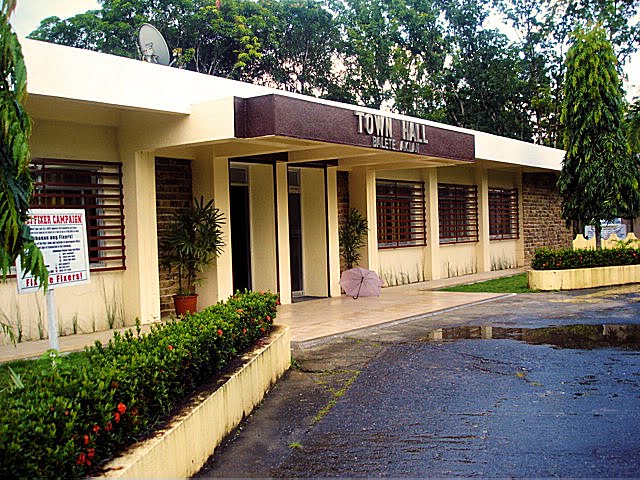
584	337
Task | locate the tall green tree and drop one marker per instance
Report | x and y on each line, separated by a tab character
15	181
212	39
632	124
369	36
600	178
484	88
298	46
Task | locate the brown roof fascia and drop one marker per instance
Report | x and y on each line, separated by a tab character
279	115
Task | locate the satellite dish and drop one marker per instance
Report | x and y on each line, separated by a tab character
152	46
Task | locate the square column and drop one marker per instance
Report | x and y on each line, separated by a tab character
483	254
282	219
432	251
332	226
211	180
520	241
141	279
362	196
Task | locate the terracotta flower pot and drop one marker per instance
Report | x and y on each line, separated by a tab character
185	303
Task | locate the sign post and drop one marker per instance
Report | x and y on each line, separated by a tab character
61	236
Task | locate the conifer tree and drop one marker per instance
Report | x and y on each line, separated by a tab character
600	177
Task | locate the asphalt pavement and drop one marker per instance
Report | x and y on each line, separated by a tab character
533	385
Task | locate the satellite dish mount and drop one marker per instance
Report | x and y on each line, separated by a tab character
152	46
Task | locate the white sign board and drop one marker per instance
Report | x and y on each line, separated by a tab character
617	227
61	235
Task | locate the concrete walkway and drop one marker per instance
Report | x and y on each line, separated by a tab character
315	320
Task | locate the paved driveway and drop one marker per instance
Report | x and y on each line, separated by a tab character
504	396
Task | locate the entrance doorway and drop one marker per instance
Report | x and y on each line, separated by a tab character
240	227
295	233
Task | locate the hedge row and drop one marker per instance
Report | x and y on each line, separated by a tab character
566	258
73	413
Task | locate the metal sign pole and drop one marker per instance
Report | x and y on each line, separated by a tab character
53	322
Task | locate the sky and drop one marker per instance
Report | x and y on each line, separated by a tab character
29	13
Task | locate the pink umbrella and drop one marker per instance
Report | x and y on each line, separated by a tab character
360	282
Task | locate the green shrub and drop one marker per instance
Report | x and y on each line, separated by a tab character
72	413
565	258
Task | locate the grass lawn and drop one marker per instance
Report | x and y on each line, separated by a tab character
513	284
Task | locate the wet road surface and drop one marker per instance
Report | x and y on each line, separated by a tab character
540	385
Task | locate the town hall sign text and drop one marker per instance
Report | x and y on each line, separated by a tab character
380	128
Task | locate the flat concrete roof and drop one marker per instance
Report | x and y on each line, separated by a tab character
60	72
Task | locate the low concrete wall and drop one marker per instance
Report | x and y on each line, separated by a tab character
577	278
182	448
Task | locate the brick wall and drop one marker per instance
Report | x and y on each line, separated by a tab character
542	219
173	193
343	203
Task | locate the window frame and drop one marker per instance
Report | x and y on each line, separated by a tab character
97	188
458	213
403	200
504	214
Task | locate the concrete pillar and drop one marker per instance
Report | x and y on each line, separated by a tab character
334	244
520	242
314	232
211	180
141	280
223	265
362	196
282	199
432	251
483	255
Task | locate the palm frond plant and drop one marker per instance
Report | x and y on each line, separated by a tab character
351	237
193	241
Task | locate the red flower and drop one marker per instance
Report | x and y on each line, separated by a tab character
170	347
116	416
81	459
85	440
66	413
91	452
108	426
268	318
220	332
262	329
121	408
96	428
244	331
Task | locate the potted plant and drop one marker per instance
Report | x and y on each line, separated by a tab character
351	238
193	241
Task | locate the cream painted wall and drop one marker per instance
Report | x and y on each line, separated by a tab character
503	254
459	175
63	140
503	178
83	307
263	228
314	233
458	259
207	122
399	266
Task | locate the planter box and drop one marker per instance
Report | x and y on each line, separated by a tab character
577	278
184	445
